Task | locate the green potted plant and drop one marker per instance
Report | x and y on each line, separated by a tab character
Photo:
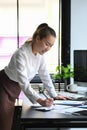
63	73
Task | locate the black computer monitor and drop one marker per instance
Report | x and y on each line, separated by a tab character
80	67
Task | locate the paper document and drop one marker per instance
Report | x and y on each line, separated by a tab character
83	106
69	102
45	108
36	105
72	110
56	108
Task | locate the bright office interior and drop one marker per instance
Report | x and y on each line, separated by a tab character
31	14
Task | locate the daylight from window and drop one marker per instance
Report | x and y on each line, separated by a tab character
31	14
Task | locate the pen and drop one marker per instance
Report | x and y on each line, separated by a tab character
45	95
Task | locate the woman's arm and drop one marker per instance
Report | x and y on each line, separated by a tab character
22	77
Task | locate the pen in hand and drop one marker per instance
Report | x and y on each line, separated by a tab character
48	99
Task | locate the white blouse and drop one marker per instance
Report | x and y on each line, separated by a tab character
23	66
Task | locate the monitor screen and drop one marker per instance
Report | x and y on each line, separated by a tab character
80	65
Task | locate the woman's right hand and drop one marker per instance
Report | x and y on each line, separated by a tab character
46	102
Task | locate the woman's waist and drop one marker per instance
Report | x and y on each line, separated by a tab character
11	87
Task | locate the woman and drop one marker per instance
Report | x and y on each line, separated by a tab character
24	64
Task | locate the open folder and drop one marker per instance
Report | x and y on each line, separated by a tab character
69	102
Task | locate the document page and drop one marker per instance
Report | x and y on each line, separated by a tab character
69	102
73	110
54	108
62	106
41	108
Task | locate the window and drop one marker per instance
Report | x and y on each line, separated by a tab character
31	14
8	31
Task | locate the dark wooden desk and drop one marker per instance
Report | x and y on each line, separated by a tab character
31	118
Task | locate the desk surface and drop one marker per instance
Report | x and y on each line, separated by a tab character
33	118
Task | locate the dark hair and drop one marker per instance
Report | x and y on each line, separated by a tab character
43	30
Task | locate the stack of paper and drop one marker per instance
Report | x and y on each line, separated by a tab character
69	102
83	106
74	111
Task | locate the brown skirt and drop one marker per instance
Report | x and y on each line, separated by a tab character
9	91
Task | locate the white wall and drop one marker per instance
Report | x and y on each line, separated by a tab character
78	25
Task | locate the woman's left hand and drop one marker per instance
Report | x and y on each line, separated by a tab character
61	97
